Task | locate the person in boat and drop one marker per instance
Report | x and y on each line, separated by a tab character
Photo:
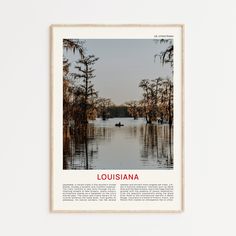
119	124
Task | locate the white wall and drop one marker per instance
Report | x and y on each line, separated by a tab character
210	117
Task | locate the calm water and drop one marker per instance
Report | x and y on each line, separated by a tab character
136	145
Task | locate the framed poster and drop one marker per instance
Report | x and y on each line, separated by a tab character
117	118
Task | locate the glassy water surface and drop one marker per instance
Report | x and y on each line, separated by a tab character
102	145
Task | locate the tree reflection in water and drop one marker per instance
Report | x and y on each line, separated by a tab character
157	143
80	146
101	145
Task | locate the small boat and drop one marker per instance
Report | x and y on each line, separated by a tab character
119	124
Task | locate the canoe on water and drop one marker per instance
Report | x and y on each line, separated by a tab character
119	124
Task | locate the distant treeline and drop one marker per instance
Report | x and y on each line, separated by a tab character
118	111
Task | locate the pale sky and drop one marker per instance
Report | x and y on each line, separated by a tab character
122	64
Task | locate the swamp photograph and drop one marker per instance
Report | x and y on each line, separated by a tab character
118	104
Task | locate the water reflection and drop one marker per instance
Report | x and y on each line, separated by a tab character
157	144
101	145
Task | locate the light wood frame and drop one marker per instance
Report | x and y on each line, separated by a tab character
182	27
